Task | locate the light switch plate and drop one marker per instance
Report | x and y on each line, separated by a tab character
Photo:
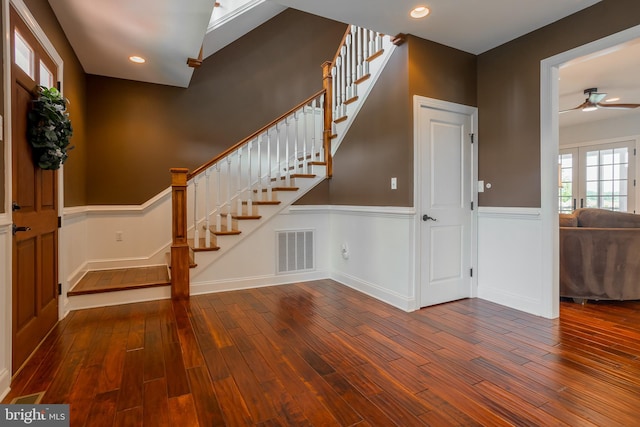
394	183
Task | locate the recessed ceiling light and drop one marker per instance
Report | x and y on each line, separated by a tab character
137	59
612	99
420	12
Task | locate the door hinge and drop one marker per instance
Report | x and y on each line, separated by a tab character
472	205
59	288
634	182
634	151
472	136
59	222
471	272
59	85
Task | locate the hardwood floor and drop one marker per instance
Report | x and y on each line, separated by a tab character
320	354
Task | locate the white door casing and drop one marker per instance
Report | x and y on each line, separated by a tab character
445	180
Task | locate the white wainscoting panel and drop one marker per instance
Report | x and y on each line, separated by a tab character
5	303
252	262
145	229
90	233
510	258
371	250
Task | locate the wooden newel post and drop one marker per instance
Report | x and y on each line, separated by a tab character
179	246
328	115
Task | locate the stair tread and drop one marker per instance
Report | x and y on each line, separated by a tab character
99	281
246	217
264	190
202	247
264	202
226	233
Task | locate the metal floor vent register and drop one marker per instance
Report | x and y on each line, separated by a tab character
295	251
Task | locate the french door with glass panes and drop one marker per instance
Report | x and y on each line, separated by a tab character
598	176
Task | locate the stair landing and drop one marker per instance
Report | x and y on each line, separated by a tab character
99	281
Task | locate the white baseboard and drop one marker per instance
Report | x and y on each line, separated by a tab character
511	300
255	282
384	295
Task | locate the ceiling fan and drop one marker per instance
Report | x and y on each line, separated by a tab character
593	102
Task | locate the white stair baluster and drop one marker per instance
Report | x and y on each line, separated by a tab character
300	142
343	84
372	43
207	208
338	92
218	199
358	52
365	52
334	91
270	166
196	235
321	126
378	42
348	67
287	176
239	183
353	60
249	177
313	130
259	183
228	201
278	155
305	160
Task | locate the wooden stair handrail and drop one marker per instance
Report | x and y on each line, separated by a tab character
244	141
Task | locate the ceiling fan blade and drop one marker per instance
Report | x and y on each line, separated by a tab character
579	107
619	106
596	97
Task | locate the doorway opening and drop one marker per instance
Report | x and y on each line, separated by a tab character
549	151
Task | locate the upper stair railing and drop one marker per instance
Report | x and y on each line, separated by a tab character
229	187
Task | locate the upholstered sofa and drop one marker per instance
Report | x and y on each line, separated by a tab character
599	255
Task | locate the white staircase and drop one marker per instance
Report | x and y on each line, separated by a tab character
287	158
232	196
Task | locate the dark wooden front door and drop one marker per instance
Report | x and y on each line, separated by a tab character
35	206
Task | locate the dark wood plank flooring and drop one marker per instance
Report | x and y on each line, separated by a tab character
121	279
321	354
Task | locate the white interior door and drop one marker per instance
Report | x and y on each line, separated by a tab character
444	139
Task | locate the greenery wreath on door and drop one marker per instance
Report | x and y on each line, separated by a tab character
49	128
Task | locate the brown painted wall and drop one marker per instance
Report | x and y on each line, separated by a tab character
379	144
138	131
509	99
440	72
75	170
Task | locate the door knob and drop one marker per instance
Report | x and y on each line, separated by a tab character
17	229
15	206
426	217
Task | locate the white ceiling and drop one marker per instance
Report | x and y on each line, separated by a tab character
104	33
613	71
